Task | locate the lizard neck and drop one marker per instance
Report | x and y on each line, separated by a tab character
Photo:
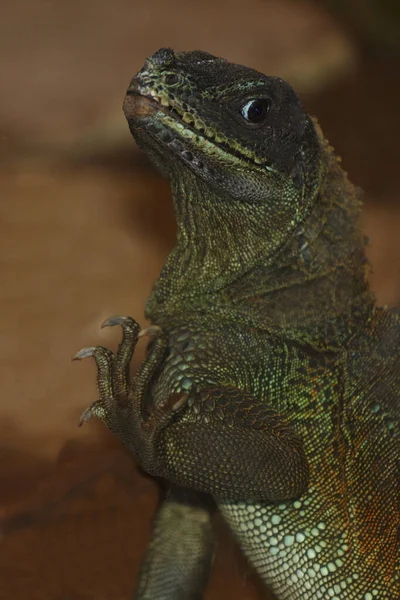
213	248
316	290
312	287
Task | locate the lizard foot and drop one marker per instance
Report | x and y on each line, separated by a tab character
124	405
113	379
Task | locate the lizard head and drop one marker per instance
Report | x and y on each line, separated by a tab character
235	141
242	132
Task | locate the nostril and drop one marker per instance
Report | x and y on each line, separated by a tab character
147	65
162	58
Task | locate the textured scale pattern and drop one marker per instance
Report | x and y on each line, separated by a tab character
317	542
270	388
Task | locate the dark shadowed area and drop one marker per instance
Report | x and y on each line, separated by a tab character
85	226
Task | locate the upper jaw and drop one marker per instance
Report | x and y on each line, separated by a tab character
176	134
148	115
181	129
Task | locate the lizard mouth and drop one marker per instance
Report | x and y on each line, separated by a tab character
183	132
137	105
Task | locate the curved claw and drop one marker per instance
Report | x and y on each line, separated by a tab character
152	330
96	351
94	410
85	416
84	353
116	320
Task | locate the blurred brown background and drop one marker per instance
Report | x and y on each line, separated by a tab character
86	225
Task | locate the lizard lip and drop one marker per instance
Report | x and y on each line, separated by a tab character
139	108
137	105
141	105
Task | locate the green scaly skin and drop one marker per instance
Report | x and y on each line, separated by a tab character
271	380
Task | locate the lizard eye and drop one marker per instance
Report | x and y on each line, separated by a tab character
256	111
171	79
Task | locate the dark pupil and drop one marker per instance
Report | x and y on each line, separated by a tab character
256	111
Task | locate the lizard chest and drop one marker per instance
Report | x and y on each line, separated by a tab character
207	357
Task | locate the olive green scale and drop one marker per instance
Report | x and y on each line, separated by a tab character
270	389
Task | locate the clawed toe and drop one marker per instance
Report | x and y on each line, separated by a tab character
117	320
96	409
121	400
113	380
84	353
